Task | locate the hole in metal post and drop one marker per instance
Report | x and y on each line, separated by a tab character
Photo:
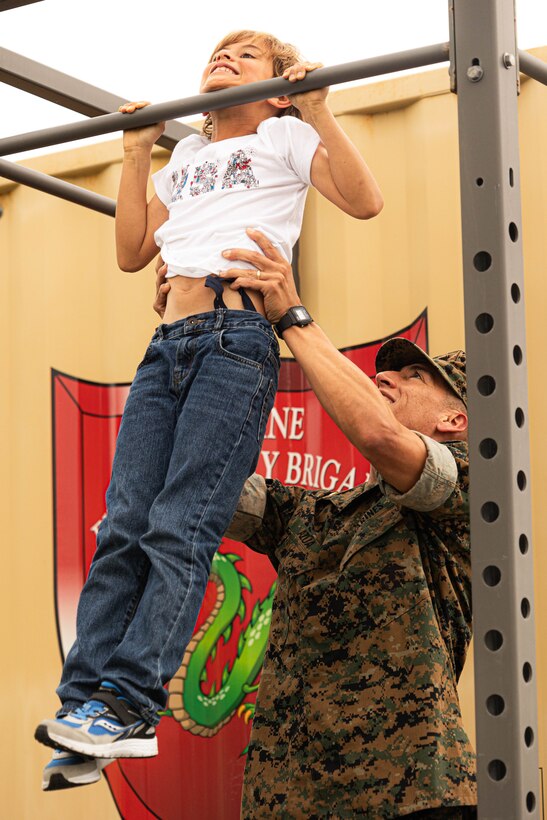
519	417
523	544
525	608
521	480
515	293
488	448
482	261
527	672
528	736
513	232
493	640
517	354
530	801
484	322
490	511
497	769
486	385
495	704
479	182
491	575
511	178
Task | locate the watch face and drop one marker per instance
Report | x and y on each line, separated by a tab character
300	313
297	315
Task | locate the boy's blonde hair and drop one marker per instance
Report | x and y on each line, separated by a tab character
283	56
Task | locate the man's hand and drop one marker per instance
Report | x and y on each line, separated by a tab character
272	278
162	287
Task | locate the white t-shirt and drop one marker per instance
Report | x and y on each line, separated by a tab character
215	190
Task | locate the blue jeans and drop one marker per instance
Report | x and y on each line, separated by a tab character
190	435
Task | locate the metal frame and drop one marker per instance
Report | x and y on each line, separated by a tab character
76	95
483	68
533	67
57	187
45	82
503	589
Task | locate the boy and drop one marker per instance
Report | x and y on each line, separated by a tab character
195	417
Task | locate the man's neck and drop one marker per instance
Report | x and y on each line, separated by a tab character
443	438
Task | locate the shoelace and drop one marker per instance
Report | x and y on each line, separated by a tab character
89	710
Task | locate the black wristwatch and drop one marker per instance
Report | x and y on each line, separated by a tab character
297	315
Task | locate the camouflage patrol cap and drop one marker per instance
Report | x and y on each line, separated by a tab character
397	353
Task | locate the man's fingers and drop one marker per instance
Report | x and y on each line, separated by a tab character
256	258
243	255
234	273
245	279
266	245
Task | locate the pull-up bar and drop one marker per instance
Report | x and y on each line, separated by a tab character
109	123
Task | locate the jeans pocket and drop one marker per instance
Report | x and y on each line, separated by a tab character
148	356
248	345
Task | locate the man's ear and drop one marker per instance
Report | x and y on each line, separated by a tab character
280	102
452	421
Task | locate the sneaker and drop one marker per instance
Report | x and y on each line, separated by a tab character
67	769
105	726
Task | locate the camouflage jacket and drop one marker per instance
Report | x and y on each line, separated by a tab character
357	713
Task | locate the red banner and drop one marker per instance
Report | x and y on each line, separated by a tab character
205	730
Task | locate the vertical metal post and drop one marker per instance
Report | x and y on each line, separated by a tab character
505	668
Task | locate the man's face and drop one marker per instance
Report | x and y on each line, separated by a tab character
237	64
417	396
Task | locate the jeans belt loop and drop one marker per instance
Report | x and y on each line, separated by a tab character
220	316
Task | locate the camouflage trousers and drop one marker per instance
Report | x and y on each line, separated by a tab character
445	813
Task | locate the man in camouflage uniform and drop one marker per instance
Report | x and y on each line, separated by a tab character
357	713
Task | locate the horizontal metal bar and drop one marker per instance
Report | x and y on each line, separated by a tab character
57	187
347	72
533	67
5	5
62	89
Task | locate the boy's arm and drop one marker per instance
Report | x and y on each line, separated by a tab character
137	220
338	170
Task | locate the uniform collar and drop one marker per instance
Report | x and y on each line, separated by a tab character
347	497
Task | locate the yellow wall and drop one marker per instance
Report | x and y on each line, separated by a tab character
64	304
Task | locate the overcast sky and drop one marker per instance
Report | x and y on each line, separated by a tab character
140	49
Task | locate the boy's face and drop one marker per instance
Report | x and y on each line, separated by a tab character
237	64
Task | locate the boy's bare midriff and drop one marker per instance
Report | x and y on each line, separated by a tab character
189	296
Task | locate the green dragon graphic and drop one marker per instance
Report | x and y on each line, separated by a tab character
203	714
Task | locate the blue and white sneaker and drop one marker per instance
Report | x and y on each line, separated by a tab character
67	770
106	726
